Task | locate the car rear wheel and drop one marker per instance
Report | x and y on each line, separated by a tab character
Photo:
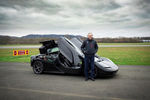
38	67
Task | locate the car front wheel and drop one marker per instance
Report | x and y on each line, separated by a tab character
95	72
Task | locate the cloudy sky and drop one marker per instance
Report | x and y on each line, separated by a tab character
105	18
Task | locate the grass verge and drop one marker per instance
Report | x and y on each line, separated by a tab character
119	55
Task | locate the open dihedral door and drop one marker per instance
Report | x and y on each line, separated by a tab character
68	50
78	42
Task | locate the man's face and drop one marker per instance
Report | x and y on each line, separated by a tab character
90	36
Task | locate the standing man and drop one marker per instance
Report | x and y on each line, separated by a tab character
89	48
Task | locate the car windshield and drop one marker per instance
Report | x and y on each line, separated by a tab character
52	50
56	49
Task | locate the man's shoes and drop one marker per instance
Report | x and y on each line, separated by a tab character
86	79
92	79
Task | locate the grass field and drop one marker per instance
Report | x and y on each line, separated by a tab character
127	55
6	55
11	45
148	43
119	55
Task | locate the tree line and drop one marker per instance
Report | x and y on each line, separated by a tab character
20	40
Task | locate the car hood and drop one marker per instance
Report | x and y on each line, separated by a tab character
105	64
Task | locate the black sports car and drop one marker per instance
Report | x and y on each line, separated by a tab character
65	56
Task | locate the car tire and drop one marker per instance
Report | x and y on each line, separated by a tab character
38	67
95	72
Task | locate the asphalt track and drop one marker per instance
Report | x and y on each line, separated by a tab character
18	82
37	46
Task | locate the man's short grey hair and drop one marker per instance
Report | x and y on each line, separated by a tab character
90	33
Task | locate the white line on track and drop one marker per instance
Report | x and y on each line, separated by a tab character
62	93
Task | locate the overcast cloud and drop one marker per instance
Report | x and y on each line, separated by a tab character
105	18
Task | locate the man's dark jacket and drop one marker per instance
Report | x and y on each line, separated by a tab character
89	47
